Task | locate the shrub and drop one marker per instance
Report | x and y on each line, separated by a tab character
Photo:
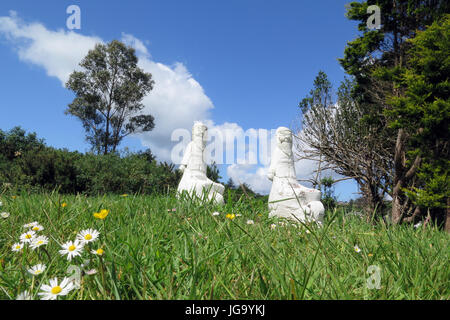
27	163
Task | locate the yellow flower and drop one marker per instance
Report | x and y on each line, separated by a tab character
124	195
13	197
98	252
230	216
370	255
63	204
102	214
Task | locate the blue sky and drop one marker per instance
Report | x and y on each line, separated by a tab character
251	61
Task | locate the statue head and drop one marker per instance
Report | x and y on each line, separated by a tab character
284	135
284	139
199	132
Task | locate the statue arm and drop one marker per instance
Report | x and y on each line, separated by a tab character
186	157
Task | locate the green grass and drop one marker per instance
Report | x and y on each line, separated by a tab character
191	254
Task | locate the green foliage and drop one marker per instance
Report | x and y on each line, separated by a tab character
435	189
400	82
385	48
13	145
235	193
230	184
39	167
109	91
320	95
128	174
16	141
212	172
424	112
49	169
327	188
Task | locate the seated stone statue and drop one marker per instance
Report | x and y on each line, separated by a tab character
287	198
193	166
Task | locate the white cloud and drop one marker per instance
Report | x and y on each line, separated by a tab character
58	52
254	176
137	44
176	101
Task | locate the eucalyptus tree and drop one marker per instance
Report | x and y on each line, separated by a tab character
108	96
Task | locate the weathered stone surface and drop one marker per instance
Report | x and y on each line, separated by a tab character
193	165
288	198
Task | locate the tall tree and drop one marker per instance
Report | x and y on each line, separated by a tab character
109	92
423	114
375	59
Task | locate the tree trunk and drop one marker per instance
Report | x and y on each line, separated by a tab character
374	202
397	194
397	210
105	149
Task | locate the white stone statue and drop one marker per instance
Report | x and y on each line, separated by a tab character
287	198
193	166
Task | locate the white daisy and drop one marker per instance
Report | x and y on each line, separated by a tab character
215	213
17	246
88	235
357	249
27	236
37	269
273	226
1	203
238	215
31	224
72	249
4	215
37	227
24	296
52	291
250	222
38	241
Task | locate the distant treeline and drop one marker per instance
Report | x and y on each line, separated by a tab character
26	162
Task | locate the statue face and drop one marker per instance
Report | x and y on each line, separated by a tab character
284	138
199	133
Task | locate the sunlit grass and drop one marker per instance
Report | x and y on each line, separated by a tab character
152	251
